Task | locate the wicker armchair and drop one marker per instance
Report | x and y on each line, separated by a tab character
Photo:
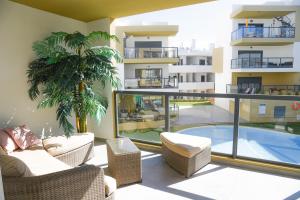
84	183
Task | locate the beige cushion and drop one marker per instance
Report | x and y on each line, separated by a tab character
110	185
39	161
56	146
184	145
11	166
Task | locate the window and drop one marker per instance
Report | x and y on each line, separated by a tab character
181	79
262	109
250	59
181	61
148	44
209	60
279	112
201	62
202	78
148	73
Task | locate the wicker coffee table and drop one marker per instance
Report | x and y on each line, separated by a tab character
124	161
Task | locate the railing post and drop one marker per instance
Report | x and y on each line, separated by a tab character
236	126
167	113
115	113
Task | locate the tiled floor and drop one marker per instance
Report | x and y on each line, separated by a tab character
160	182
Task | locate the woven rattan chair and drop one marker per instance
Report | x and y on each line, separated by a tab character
84	183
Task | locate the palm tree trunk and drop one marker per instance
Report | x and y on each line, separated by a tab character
81	121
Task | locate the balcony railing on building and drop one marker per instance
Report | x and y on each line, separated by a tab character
252	88
163	52
150	83
267	62
263	32
262	128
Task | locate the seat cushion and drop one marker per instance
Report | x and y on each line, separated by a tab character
184	145
12	166
110	185
39	161
59	145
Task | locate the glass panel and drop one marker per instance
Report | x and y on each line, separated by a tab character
270	130
141	117
204	117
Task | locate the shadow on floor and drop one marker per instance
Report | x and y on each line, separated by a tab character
294	196
158	175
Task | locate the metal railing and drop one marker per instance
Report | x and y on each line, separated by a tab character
163	117
251	88
151	83
263	32
163	52
266	62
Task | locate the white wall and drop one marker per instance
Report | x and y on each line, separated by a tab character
130	40
268	51
20	27
190	68
105	128
196	85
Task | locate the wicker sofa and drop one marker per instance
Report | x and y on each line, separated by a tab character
52	172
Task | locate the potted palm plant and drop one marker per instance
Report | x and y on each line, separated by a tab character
64	72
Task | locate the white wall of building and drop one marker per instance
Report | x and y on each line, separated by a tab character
268	51
190	68
131	39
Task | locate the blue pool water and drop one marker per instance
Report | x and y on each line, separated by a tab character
253	142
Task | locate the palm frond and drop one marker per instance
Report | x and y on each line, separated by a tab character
63	112
65	61
100	35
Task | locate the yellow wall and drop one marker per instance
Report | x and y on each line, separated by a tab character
291	78
249	111
217	61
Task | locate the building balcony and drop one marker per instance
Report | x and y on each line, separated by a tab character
163	55
263	89
262	64
263	36
196	85
151	83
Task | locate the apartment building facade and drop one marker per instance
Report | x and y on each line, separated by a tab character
194	71
150	62
264	59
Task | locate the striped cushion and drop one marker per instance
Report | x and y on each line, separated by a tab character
11	166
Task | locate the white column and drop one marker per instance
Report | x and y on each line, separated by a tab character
1	187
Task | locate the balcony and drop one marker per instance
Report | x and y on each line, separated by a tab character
151	83
267	131
264	36
262	63
264	89
163	55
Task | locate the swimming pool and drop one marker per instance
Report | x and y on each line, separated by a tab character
253	142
